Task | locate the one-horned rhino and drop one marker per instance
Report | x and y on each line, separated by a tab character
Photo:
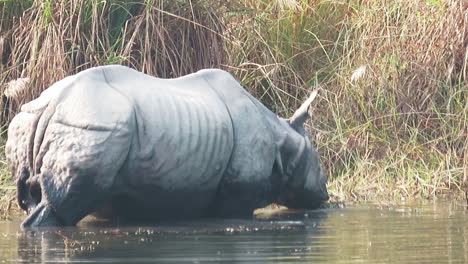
153	149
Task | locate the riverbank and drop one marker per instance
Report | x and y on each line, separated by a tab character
391	118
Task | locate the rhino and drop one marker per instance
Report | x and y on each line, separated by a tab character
118	143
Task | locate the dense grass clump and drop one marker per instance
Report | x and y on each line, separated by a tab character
392	117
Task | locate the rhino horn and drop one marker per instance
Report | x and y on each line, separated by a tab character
301	114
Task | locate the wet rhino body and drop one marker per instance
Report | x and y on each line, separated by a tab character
153	149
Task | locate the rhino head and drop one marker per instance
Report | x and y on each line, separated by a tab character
304	180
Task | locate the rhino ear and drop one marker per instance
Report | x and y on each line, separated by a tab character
301	114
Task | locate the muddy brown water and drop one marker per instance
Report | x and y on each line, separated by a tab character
423	233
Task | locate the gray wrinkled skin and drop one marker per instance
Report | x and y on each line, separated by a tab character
119	143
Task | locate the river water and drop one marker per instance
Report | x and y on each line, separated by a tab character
425	233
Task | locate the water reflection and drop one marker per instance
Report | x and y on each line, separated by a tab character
199	241
431	233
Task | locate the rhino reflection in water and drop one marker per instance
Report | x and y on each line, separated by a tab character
150	149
